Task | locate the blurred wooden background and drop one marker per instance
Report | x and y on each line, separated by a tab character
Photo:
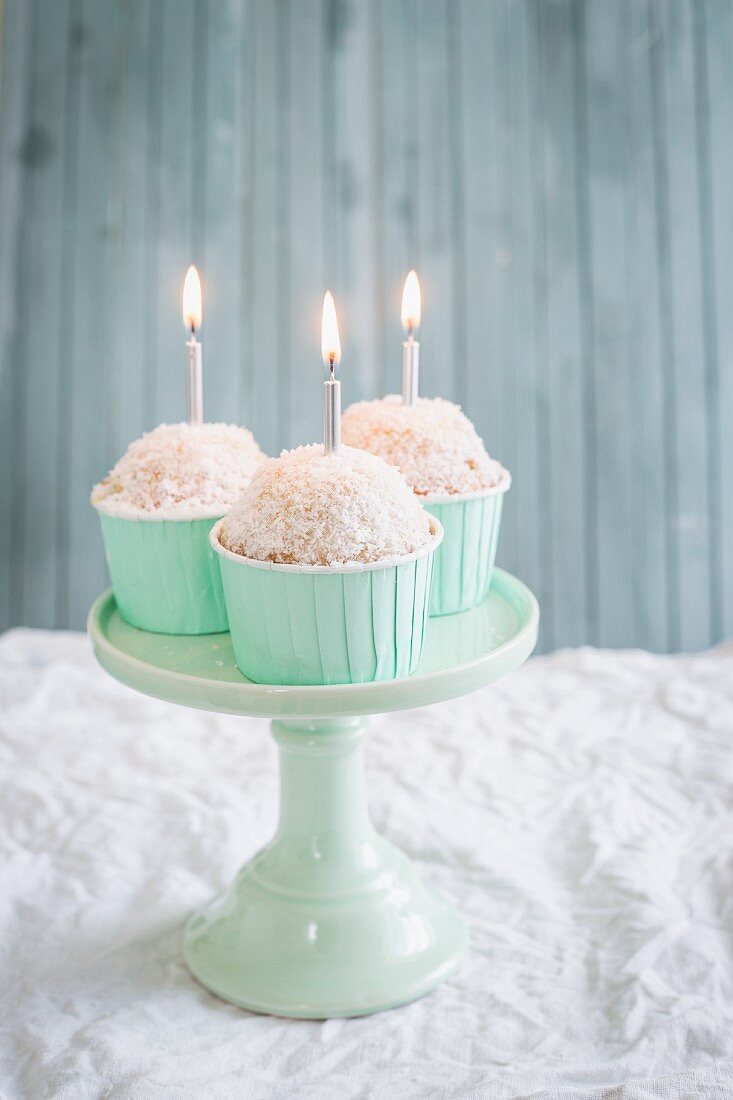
560	172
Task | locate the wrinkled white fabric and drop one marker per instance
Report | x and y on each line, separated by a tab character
580	813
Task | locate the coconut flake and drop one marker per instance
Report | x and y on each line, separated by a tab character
180	471
308	508
433	444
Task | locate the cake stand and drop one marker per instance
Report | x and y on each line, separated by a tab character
329	919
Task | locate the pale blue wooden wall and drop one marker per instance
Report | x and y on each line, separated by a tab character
560	173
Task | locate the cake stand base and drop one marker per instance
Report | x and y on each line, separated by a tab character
329	919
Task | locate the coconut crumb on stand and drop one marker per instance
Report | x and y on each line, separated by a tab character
310	508
433	444
178	471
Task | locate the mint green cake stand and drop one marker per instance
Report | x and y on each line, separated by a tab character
329	919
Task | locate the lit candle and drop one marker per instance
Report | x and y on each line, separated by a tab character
192	321
410	346
331	351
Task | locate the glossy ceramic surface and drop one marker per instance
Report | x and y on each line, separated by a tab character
329	919
461	653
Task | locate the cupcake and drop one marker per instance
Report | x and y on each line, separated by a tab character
157	507
326	564
443	459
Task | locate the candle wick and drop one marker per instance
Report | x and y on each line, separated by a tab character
193	331
331	359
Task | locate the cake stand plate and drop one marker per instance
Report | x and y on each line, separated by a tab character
329	919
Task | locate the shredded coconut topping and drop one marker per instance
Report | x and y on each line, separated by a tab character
432	443
308	508
180	470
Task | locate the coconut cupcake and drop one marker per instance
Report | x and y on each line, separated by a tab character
157	506
326	564
443	459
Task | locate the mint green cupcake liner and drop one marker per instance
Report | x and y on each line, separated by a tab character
465	560
348	624
165	575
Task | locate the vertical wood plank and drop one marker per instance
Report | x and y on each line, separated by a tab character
521	259
476	311
506	367
222	192
283	230
153	203
459	105
397	129
89	422
17	36
708	283
587	303
669	396
352	245
689	517
610	535
246	156
648	573
126	350
307	279
172	204
565	382
378	349
485	324
40	319
716	39
266	368
437	366
540	330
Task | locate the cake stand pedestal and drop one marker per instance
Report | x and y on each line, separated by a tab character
329	919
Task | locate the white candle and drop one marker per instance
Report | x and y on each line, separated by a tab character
331	352
192	317
411	312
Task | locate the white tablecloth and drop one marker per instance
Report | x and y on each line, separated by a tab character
580	813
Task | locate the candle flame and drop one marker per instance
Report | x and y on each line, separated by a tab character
192	315
411	305
330	342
